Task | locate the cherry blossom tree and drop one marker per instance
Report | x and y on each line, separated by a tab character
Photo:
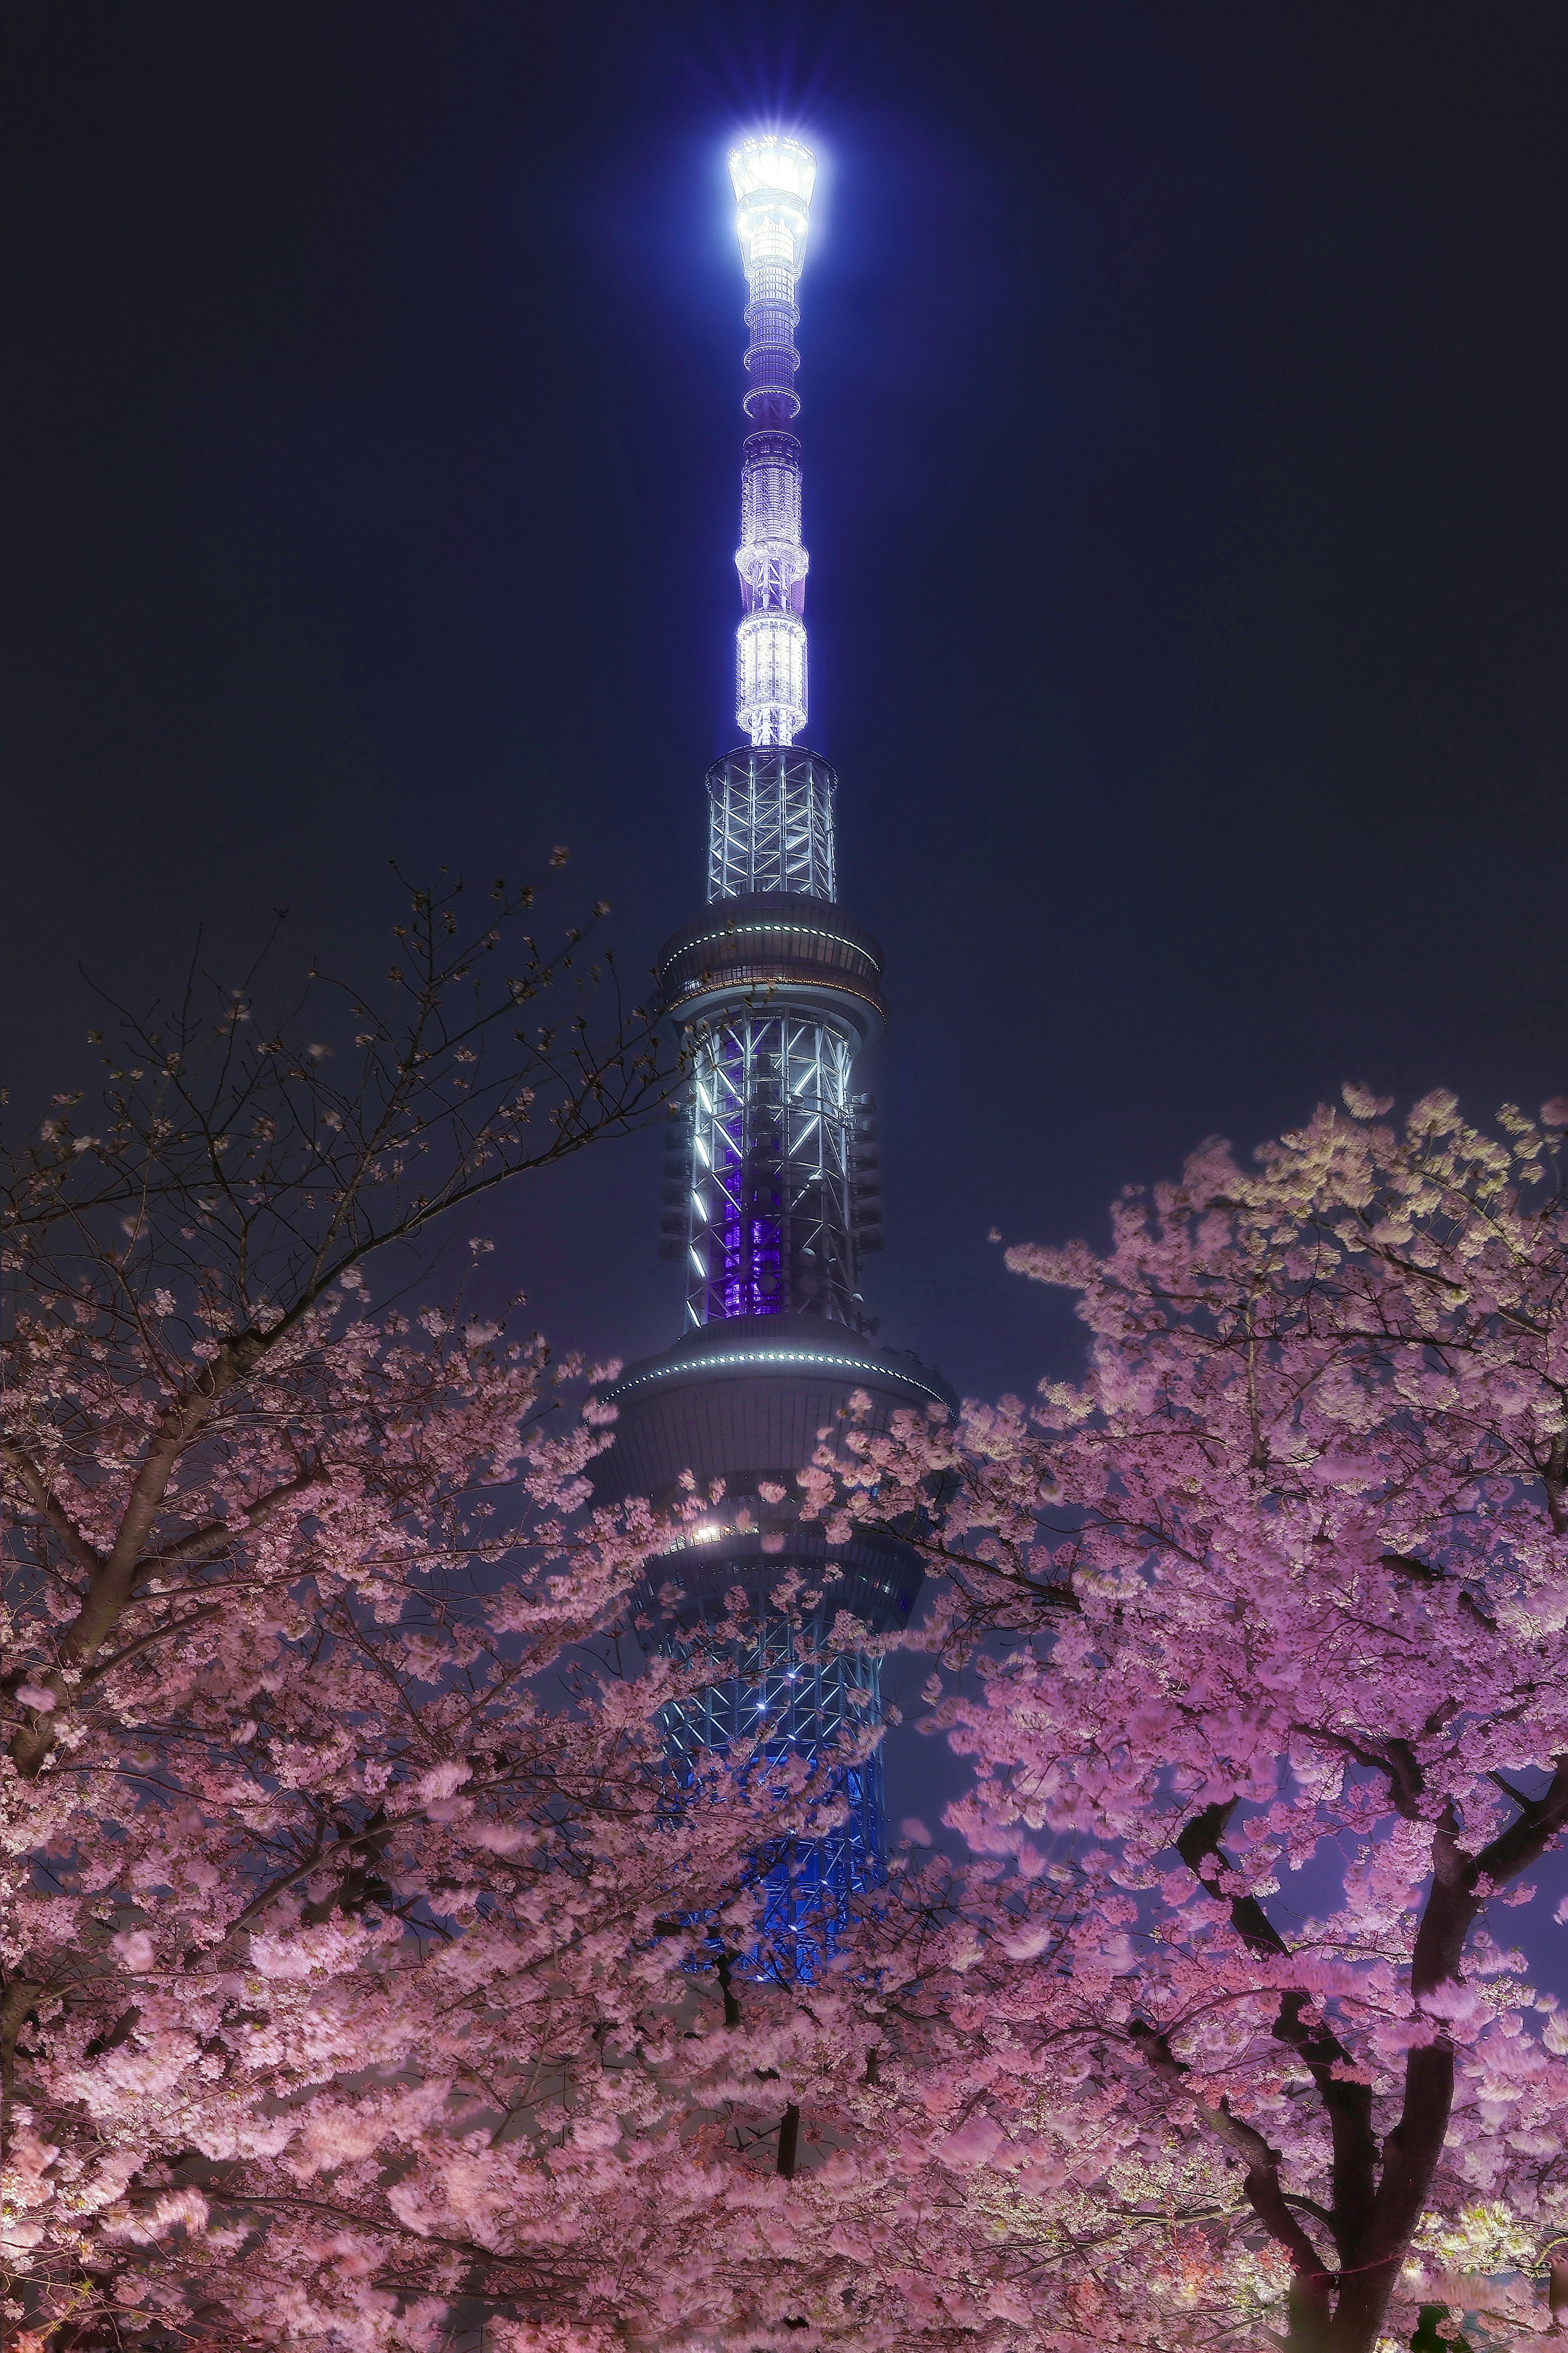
286	1580
163	1257
1280	1587
367	1972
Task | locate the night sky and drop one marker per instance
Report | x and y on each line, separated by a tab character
1187	493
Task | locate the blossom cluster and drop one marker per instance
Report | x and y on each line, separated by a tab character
1281	1586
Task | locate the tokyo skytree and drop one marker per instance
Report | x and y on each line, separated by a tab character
772	1189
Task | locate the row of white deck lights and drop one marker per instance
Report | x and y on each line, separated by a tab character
810	932
776	1357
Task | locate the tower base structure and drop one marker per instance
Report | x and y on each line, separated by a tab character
746	1401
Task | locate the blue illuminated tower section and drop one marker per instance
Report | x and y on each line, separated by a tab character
772	1187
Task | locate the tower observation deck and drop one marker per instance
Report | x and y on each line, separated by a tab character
773	1190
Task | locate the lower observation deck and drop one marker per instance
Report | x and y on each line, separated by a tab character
742	1401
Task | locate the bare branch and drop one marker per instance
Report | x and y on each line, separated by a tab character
146	1641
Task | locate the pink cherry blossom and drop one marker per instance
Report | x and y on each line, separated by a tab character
367	1969
1280	1587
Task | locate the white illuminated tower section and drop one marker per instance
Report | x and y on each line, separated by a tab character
771	1183
771	809
773	180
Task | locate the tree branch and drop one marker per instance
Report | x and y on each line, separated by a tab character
371	1835
146	1641
1398	1760
48	1505
1527	1840
201	1543
1263	2193
1347	2105
17	2004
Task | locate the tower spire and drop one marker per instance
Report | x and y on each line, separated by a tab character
771	805
774	178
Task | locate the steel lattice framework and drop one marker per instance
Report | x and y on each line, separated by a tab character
772	1180
770	823
783	1698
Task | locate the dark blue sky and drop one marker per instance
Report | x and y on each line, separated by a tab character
1187	495
1185	492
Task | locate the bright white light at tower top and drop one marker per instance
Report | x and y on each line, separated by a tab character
772	163
772	178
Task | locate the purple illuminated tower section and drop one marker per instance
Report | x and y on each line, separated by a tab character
772	1191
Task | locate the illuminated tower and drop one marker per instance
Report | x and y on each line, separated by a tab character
772	1186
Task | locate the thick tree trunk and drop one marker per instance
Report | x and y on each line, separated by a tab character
1410	2156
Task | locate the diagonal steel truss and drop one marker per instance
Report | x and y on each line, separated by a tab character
770	823
770	1221
782	1699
